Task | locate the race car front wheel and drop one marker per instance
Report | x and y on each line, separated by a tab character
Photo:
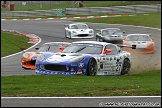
126	67
69	35
25	68
99	39
92	67
65	34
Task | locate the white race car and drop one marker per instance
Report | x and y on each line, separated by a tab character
78	30
144	42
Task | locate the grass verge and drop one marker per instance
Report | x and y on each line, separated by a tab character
13	43
143	84
150	20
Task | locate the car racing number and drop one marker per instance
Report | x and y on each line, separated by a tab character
118	67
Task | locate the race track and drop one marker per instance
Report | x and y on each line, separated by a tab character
53	30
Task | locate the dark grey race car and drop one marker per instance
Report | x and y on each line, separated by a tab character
111	35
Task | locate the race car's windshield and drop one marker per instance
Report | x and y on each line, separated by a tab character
138	38
51	47
79	26
111	32
84	48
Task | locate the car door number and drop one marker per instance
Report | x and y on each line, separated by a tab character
118	67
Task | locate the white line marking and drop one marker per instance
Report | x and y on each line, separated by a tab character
26	49
76	17
103	16
25	19
50	18
90	17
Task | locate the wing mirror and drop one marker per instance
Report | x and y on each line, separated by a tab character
152	38
36	48
107	51
61	48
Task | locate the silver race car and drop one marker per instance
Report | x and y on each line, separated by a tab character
112	35
78	30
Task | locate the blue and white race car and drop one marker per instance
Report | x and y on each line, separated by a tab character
86	58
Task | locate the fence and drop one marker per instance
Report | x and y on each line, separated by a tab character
85	11
114	10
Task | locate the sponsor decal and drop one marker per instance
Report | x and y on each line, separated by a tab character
107	58
34	58
80	65
73	64
118	62
107	67
106	73
108	63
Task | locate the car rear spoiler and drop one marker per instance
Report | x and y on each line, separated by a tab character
128	46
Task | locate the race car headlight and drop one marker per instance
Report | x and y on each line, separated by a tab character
40	57
150	44
26	55
91	31
79	59
73	31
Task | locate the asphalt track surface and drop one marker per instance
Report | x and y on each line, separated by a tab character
53	30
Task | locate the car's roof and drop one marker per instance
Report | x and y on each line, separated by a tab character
138	34
57	42
77	23
92	42
110	28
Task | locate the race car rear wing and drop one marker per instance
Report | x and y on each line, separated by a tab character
128	46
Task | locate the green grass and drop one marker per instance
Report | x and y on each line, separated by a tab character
12	43
68	4
143	84
151	20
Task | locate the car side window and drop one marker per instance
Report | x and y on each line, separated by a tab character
114	49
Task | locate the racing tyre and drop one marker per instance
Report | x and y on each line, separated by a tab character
92	67
99	39
126	67
65	34
69	35
25	68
